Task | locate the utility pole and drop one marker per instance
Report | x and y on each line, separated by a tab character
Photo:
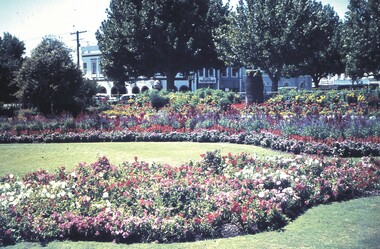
78	44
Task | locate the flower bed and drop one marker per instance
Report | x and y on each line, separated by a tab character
329	123
220	196
266	139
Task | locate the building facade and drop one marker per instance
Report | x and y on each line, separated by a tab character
227	79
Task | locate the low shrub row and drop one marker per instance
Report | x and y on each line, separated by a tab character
220	196
346	148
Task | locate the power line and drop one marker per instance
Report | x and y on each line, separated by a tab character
78	44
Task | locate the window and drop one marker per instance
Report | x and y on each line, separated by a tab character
235	72
94	66
100	67
224	72
201	73
302	85
211	73
85	67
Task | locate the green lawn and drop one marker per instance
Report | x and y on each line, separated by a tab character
19	159
351	224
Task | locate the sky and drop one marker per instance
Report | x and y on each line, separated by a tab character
31	20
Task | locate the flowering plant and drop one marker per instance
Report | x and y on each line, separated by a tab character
316	122
219	196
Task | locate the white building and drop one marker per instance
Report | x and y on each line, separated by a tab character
228	79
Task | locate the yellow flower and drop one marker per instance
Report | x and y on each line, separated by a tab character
361	98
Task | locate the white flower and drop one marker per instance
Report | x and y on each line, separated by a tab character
62	193
7	186
44	191
105	195
283	176
261	195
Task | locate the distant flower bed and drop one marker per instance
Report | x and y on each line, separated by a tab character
266	139
332	123
220	196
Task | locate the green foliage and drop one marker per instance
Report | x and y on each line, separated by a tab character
179	100
327	57
361	38
50	81
157	101
11	51
275	35
159	36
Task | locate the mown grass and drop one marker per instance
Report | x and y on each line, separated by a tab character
19	159
351	224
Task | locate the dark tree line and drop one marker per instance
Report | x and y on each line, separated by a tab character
142	37
282	38
11	58
48	80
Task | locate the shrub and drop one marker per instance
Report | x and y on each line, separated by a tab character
157	101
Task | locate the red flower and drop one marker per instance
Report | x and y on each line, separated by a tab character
235	207
197	220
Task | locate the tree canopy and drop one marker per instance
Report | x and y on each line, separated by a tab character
327	57
142	37
276	35
50	80
11	52
362	39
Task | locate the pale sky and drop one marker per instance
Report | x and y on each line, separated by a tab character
31	20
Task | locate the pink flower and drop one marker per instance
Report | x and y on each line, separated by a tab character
197	220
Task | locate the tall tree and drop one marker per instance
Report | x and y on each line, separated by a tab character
273	34
327	57
362	39
160	36
50	80
11	52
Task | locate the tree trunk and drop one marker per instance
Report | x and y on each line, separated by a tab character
275	84
275	78
316	79
170	78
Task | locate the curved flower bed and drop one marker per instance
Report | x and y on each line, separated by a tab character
220	196
265	139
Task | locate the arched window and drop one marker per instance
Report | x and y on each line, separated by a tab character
301	85
122	90
144	89
135	90
114	90
102	89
